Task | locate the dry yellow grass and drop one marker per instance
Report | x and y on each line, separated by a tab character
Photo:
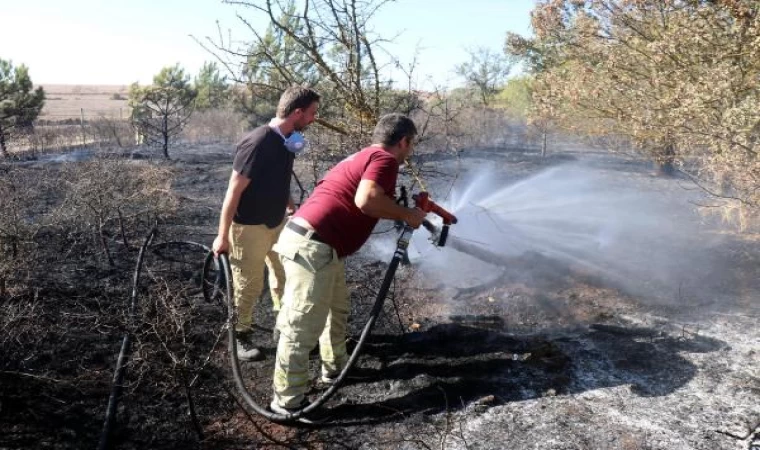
66	101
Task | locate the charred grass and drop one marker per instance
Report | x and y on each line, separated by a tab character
439	362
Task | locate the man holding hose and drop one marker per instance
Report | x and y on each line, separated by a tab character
253	212
335	221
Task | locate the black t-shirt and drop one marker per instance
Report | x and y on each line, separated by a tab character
261	156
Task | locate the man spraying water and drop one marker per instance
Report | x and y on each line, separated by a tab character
335	222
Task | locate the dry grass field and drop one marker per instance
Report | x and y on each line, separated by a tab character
67	101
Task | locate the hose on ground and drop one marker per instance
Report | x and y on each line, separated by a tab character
399	255
126	345
224	275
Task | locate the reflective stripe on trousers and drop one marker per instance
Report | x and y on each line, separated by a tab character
250	249
315	307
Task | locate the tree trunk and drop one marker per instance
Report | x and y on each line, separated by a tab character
666	161
543	144
115	132
123	231
104	243
3	148
165	133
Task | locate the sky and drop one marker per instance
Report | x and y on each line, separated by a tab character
119	42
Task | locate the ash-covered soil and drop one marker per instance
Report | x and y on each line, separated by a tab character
551	356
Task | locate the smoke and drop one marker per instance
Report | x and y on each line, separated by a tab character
635	233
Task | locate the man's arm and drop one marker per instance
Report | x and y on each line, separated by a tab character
371	199
235	189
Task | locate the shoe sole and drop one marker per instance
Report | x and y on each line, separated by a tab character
258	357
302	420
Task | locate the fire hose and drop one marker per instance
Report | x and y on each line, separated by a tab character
224	274
423	202
401	246
126	345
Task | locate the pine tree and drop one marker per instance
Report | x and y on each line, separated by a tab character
212	88
161	110
20	104
274	62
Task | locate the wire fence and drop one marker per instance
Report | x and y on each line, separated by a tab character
73	114
113	128
51	115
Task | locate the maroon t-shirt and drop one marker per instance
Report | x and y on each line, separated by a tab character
331	209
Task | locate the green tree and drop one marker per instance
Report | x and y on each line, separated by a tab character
327	44
161	110
211	85
274	62
20	104
515	96
681	79
485	72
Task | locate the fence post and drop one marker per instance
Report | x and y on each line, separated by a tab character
81	123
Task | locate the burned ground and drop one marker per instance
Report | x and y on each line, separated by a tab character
550	356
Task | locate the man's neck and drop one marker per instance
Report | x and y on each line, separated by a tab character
285	127
395	151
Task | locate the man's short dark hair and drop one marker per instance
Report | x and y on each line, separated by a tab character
295	97
391	128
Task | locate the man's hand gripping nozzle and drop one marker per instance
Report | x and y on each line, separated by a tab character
422	201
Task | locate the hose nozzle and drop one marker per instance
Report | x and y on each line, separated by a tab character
422	201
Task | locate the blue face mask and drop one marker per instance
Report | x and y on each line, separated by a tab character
295	143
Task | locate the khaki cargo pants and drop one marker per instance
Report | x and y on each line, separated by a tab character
315	306
250	249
